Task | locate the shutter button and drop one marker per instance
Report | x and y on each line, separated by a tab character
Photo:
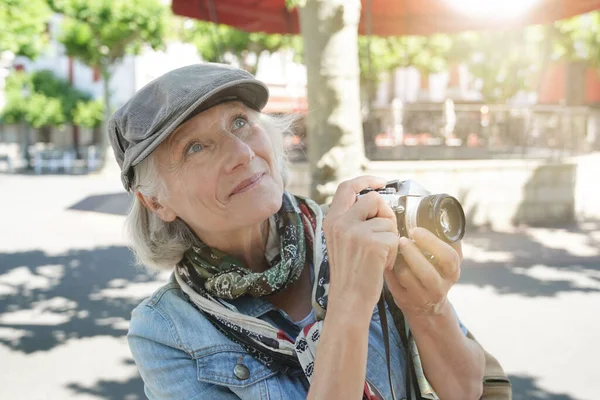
241	372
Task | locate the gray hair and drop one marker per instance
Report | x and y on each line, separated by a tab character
160	245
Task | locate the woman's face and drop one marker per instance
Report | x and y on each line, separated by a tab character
220	171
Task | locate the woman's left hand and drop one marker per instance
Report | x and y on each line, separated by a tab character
420	284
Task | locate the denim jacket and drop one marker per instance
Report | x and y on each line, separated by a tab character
181	355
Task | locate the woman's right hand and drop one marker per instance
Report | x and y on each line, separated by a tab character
362	241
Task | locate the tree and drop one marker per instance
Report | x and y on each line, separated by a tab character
336	151
88	114
41	100
577	42
578	39
379	55
23	25
222	43
507	62
102	32
51	101
331	51
38	108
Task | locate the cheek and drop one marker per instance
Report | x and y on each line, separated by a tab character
191	193
264	148
200	188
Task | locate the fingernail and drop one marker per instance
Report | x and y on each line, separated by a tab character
412	233
404	241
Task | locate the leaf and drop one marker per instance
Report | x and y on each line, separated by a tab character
23	26
49	100
102	32
88	114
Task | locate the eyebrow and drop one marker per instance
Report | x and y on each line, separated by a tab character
179	135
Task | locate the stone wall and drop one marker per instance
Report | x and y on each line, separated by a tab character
499	193
587	187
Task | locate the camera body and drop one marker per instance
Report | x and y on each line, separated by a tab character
415	206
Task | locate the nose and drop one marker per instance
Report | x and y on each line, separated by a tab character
236	152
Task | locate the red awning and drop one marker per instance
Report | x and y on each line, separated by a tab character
389	17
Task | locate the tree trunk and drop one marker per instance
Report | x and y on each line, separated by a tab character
336	148
391	85
103	142
75	128
75	131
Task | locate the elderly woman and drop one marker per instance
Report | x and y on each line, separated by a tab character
267	298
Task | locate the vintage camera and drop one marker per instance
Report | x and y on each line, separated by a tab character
415	207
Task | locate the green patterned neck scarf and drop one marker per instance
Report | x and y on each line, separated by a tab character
226	277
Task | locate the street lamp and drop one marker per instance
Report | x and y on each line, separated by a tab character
25	93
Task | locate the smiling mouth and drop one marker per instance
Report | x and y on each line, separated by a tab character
248	184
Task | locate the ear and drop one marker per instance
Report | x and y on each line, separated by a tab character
151	203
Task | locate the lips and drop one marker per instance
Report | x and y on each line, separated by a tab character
248	183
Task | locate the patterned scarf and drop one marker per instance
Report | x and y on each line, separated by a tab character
209	278
228	278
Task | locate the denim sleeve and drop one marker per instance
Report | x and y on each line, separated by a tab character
168	371
460	324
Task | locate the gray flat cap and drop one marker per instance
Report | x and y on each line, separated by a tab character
155	111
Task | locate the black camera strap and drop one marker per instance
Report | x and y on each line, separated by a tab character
410	377
386	339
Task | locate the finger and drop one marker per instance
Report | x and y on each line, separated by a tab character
393	283
424	271
371	205
411	284
389	242
447	258
346	192
378	224
458	247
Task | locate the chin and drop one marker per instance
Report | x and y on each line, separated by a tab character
259	203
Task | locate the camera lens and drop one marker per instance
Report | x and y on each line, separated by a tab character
443	215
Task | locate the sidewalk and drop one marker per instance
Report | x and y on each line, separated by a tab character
67	286
531	298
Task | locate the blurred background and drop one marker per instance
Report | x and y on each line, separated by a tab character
496	104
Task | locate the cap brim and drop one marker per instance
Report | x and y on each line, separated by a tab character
251	92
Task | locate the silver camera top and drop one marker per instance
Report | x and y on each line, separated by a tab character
395	190
407	187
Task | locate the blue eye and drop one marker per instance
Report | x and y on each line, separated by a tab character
195	148
239	122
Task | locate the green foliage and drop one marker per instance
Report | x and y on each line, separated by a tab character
46	83
23	26
102	32
507	62
26	103
88	114
214	42
15	108
291	4
578	39
43	110
42	99
429	54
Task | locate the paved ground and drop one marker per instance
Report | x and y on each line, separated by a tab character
67	286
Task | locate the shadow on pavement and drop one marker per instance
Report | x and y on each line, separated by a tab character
112	203
542	262
131	389
525	388
47	300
